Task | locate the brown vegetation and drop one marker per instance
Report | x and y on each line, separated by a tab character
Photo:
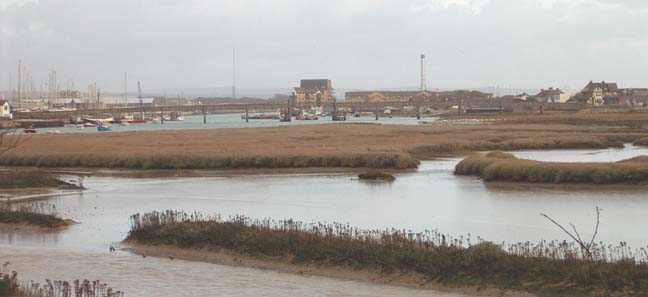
10	286
376	176
32	179
498	166
339	145
35	214
561	268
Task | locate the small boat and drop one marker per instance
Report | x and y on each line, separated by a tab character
175	116
29	130
89	125
261	116
305	116
104	126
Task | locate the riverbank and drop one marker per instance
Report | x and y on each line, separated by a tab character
30	179
499	166
31	217
284	265
319	146
546	269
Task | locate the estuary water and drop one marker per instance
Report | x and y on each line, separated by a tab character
430	198
233	120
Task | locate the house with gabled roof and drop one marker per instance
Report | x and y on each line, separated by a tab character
602	93
550	95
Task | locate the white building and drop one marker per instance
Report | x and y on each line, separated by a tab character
5	110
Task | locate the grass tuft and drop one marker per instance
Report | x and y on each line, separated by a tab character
376	176
34	214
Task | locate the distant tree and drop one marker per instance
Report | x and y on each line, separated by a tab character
9	139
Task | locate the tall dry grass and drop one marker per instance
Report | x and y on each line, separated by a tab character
31	179
554	265
11	286
34	214
343	145
504	167
370	160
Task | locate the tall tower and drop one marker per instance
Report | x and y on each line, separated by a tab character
19	87
234	73
423	74
125	90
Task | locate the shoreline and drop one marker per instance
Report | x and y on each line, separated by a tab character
283	265
27	227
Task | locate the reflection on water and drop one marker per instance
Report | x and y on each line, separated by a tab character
430	198
604	155
221	121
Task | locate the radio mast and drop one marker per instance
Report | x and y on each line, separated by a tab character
423	74
19	87
234	73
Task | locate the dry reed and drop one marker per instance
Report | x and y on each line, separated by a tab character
498	168
436	256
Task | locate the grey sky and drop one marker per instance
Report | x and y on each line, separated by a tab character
360	44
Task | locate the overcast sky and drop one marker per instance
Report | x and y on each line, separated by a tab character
361	44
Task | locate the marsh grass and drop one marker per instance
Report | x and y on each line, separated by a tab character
11	286
370	160
495	167
34	214
31	179
642	142
528	143
554	265
376	176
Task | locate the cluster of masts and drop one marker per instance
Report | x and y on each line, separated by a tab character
24	93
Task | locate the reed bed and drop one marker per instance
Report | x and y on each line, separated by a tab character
10	286
376	176
437	257
397	161
31	179
642	142
522	143
340	145
34	214
505	167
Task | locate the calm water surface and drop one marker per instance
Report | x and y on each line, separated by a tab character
431	198
222	121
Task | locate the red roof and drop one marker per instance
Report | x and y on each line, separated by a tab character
551	92
606	87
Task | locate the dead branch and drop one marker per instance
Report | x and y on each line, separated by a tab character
9	140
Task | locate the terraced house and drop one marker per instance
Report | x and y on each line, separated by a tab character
388	96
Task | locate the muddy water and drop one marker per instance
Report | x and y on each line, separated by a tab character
150	276
430	198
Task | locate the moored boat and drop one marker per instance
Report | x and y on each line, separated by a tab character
104	126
